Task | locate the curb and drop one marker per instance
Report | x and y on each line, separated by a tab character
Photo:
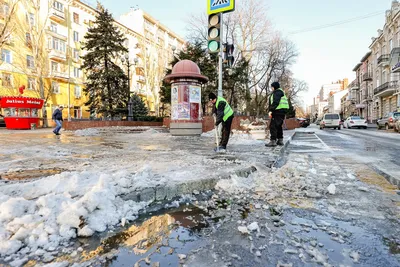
169	192
282	150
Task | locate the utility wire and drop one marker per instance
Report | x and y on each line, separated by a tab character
337	23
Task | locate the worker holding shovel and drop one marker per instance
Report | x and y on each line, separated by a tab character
223	114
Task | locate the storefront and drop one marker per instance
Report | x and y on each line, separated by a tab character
20	113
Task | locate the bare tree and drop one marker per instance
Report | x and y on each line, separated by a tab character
269	54
272	63
31	32
7	13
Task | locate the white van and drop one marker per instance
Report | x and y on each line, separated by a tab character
331	120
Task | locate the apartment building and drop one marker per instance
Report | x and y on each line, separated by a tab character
385	51
45	48
158	46
335	101
334	87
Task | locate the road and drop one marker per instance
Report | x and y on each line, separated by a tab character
378	149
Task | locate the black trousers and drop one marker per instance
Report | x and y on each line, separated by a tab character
275	127
226	131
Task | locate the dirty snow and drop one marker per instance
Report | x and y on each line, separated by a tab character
100	165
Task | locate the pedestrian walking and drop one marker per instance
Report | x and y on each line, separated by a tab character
57	117
224	115
278	107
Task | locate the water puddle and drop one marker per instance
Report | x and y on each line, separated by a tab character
30	174
160	238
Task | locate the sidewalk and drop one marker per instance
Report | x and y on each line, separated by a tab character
107	175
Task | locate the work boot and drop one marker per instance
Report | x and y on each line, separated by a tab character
271	143
280	142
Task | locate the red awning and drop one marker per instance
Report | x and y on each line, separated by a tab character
20	102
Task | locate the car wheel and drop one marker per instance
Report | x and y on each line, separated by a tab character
386	127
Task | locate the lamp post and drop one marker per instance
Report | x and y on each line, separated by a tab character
125	60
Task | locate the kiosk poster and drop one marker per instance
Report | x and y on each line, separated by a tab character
184	110
195	94
183	93
174	94
174	111
194	111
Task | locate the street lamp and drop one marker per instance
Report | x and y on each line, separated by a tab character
125	60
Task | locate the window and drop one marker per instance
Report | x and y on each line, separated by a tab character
53	27
28	39
76	36
7	80
6	55
5	9
56	87
77	113
76	18
383	77
30	63
30	18
76	54
77	91
390	45
54	66
58	6
58	44
31	83
76	72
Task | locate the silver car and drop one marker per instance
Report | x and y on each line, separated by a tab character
388	120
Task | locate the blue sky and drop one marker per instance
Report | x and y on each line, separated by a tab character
326	55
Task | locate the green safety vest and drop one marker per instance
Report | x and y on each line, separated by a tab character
228	111
283	104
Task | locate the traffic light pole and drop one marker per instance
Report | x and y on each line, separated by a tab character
221	54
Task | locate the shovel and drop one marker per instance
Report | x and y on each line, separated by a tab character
216	134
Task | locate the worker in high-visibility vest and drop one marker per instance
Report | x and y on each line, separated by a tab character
278	107
224	115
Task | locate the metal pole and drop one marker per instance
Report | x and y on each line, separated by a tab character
221	53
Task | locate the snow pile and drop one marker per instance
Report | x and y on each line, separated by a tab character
87	132
34	216
209	133
239	138
285	183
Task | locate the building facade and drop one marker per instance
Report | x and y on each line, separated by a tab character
386	54
44	48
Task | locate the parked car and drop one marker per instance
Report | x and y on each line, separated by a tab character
303	122
2	122
388	120
397	125
331	120
355	122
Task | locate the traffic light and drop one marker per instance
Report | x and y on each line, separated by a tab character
214	33
229	59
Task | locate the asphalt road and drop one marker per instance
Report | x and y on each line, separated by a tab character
377	148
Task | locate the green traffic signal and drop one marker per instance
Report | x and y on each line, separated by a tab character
214	33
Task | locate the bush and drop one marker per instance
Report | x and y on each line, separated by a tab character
148	118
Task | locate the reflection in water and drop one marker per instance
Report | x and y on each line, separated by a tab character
153	234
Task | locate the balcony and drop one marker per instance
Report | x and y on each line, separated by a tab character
367	76
59	75
57	15
57	55
60	34
383	60
354	85
386	89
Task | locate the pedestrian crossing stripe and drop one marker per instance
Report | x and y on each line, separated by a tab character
220	6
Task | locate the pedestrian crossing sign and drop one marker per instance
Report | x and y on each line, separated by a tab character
220	6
